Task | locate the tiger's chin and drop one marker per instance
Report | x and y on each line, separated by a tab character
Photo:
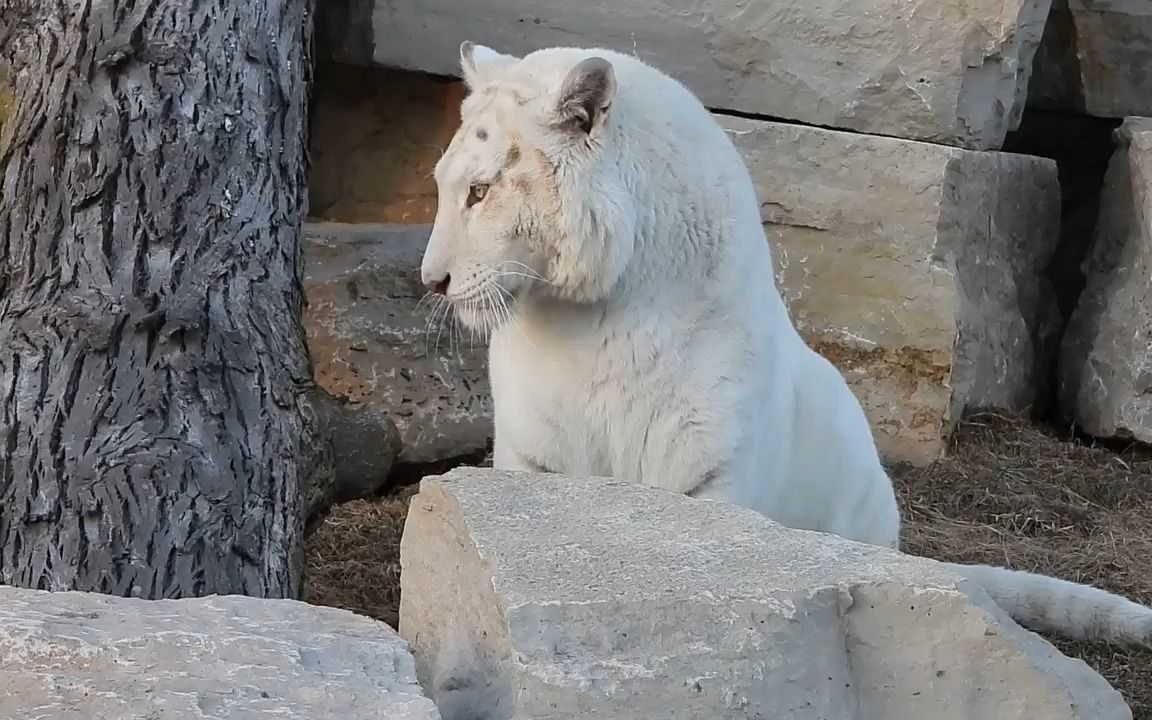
485	317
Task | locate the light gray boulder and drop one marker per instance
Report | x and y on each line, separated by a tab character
375	344
550	597
84	656
952	72
1106	360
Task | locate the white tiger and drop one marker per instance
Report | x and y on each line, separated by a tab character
594	216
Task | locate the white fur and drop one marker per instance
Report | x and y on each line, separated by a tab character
638	332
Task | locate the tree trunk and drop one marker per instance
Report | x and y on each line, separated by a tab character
155	432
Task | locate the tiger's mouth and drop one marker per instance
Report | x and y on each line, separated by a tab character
485	310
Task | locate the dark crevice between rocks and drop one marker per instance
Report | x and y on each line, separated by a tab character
404	474
344	30
1081	147
761	117
1057	82
1122	445
361	80
366	444
362	443
399	476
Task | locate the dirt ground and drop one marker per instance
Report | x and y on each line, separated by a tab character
1009	493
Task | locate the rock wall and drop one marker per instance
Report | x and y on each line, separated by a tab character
928	272
912	266
951	72
375	344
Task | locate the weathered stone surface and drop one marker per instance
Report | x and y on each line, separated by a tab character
952	72
363	443
1106	360
1096	58
6	98
550	597
915	268
79	656
375	344
376	134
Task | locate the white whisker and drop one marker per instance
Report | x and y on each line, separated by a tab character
513	273
526	271
479	308
489	312
440	324
454	338
430	320
501	305
472	302
510	316
428	297
433	324
518	263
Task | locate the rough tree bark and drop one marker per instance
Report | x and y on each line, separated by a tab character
155	429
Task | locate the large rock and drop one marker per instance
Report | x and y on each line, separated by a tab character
375	344
550	597
1106	363
917	269
80	656
1096	58
953	72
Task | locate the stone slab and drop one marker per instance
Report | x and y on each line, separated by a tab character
915	268
375	344
1096	58
83	656
952	72
550	597
1106	360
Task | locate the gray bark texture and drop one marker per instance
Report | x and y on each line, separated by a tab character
156	433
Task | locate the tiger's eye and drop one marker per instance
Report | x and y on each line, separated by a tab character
476	193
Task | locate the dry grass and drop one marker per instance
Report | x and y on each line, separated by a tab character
1009	494
1015	495
354	556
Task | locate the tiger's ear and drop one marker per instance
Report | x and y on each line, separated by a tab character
477	60
585	96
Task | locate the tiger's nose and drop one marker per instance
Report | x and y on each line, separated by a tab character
438	286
